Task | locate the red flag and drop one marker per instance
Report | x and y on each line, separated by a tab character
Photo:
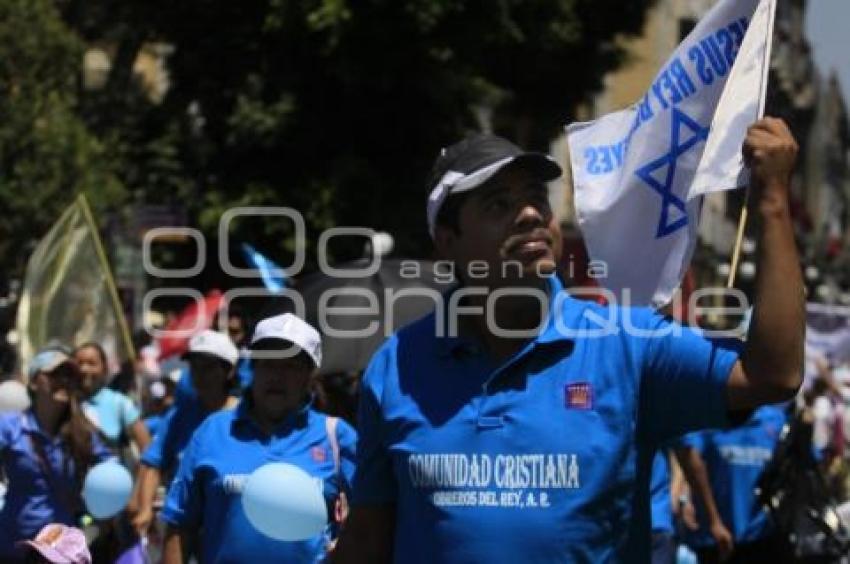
195	318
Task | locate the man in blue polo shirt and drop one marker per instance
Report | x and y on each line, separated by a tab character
723	468
212	358
524	432
274	423
236	330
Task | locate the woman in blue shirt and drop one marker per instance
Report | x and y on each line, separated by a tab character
45	453
274	423
113	413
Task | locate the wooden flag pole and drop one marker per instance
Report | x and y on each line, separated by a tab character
736	252
110	281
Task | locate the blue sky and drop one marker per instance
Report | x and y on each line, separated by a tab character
828	30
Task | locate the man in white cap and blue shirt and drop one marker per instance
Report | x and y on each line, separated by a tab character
212	358
519	429
275	422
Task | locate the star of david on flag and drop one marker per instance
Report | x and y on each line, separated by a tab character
674	215
640	174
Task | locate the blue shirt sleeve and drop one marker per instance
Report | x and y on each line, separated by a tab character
6	430
154	454
374	481
684	376
184	503
347	439
152	424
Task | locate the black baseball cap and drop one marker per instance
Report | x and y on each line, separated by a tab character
473	161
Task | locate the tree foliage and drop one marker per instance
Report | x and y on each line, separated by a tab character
334	107
47	153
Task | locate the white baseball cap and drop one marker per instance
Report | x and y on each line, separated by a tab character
288	327
214	343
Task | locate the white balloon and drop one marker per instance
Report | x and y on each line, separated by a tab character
382	244
13	396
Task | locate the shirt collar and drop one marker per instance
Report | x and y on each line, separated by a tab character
565	314
447	345
562	322
28	421
99	396
242	414
29	424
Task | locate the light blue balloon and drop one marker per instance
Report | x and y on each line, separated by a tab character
685	555
284	503
107	489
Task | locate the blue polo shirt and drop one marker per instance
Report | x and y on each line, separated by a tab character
111	412
154	422
226	449
735	459
175	432
545	457
165	449
34	499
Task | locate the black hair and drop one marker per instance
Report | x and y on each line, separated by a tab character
141	339
449	214
237	311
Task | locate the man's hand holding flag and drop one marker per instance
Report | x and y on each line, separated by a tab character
639	174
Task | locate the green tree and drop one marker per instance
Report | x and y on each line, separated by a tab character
338	107
334	107
47	153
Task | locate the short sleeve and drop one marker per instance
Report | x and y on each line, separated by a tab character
152	424
374	482
347	439
683	380
154	454
129	412
184	505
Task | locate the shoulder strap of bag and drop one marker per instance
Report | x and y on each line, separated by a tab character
61	491
341	505
330	427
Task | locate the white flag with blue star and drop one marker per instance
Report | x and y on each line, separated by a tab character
639	174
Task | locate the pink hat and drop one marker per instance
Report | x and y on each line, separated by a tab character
61	545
